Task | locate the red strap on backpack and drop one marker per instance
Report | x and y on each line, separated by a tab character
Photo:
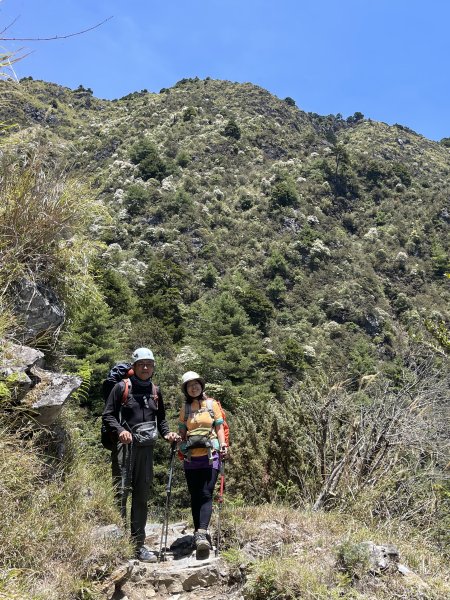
127	386
125	391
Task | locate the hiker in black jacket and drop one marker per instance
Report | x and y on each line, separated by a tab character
136	419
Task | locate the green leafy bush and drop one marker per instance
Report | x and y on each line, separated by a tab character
136	200
145	154
232	130
189	113
402	172
284	193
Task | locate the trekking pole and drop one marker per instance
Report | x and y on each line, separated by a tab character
126	474
165	526
220	501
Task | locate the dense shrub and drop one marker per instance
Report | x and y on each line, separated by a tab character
284	193
136	200
355	118
182	159
402	172
440	261
230	348
145	154
166	286
276	265
95	337
257	307
232	130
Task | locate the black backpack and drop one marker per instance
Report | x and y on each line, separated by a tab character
118	373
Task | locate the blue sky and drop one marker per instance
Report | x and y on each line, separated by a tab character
388	59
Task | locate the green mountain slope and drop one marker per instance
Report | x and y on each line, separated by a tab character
329	233
299	262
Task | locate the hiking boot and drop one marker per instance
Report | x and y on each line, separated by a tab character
202	545
145	555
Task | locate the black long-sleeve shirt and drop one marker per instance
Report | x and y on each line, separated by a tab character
140	407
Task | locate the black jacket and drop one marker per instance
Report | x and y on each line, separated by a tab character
139	408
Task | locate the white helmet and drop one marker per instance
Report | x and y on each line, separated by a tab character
191	376
142	354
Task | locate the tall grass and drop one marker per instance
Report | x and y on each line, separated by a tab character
44	221
54	487
49	508
40	210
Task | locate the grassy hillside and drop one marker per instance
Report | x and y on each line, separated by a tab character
299	262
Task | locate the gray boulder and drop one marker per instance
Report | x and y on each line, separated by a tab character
381	558
50	393
43	392
39	309
15	364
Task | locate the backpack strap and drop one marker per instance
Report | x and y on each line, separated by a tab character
155	395
125	394
188	409
209	406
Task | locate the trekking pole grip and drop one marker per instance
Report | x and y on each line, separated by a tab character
222	481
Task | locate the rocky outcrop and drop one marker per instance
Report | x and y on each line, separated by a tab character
16	364
181	577
381	558
42	392
50	393
38	308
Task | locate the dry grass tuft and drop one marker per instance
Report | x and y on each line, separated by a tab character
44	220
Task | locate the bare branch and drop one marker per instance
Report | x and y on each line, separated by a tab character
8	26
55	37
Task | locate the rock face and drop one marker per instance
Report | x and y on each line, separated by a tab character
39	309
43	392
50	393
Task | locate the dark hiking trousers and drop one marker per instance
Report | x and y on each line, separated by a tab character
201	484
135	465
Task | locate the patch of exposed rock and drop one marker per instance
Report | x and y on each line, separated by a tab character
42	392
179	576
38	308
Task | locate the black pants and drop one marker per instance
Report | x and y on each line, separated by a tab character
201	484
132	471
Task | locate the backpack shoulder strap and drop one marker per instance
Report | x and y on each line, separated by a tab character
188	409
209	406
126	390
155	394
